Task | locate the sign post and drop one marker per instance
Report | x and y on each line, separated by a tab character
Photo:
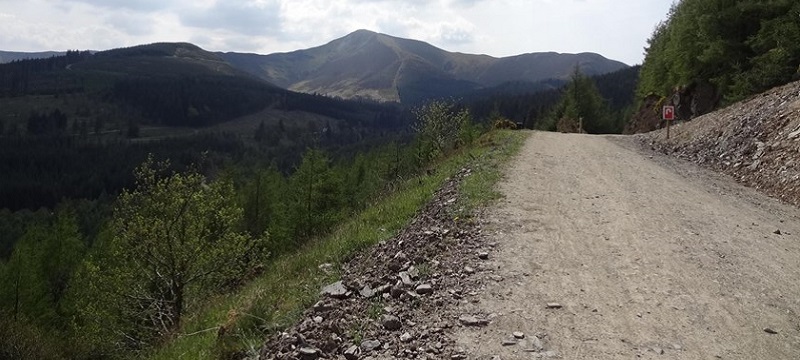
668	114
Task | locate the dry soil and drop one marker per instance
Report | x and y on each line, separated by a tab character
648	256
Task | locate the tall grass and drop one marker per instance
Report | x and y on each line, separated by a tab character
236	324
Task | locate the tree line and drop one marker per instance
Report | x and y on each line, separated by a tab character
741	47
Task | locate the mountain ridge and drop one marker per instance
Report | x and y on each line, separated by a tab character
388	68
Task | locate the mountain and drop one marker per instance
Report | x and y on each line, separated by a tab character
76	125
9	56
365	64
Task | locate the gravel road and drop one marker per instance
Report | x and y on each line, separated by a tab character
639	255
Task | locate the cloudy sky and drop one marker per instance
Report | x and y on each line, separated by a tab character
617	29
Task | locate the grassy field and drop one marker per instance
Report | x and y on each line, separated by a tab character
291	283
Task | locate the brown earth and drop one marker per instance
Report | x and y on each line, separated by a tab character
645	255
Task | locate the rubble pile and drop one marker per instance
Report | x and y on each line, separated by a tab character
756	141
398	299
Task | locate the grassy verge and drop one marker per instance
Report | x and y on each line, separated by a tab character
290	284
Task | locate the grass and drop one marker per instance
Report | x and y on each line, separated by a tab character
291	283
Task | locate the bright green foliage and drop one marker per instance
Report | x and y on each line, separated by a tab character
581	106
34	282
38	271
174	240
740	46
316	195
440	126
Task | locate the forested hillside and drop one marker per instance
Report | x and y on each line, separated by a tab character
605	100
75	126
713	52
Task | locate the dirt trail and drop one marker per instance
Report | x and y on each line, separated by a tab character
650	257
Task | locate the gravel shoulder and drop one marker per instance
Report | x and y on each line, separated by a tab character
644	254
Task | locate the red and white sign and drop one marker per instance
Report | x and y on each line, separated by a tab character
668	113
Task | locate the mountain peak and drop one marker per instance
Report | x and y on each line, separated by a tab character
368	64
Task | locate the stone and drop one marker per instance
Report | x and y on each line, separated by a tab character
397	290
658	350
424	289
321	306
554	305
469	270
770	331
536	343
509	342
336	290
483	255
519	335
352	353
391	322
308	353
470	320
367	292
369	345
318	319
777	232
413	272
406	337
405	278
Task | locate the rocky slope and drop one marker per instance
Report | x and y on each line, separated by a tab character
756	141
398	299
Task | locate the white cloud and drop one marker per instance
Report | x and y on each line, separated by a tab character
614	28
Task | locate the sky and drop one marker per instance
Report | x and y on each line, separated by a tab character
616	29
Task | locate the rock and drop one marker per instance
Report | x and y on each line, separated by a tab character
554	305
658	350
405	278
469	270
413	272
352	353
382	289
509	342
369	345
391	322
458	357
335	290
519	335
395	265
424	289
367	292
308	353
777	232
536	343
397	290
483	255
470	320
406	337
770	331
321	306
318	319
